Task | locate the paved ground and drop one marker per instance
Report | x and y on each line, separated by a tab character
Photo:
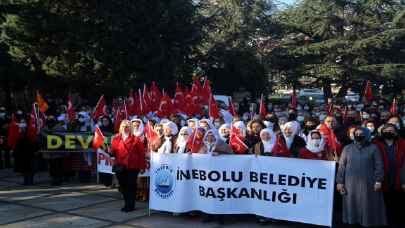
89	205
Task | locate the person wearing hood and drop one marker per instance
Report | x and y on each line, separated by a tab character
170	131
224	132
206	124
214	145
392	149
129	153
288	143
181	142
192	123
315	148
138	128
266	144
359	180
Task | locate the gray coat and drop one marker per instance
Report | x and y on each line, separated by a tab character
360	167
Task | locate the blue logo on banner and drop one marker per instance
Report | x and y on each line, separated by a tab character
164	181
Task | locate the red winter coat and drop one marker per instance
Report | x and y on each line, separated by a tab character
130	153
399	157
307	154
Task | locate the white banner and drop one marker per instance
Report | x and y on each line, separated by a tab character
281	188
104	162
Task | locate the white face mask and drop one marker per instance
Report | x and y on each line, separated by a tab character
217	124
182	123
371	129
22	125
316	142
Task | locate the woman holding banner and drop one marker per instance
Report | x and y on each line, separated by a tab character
129	154
359	180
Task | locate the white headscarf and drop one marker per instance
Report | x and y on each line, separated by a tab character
172	126
140	129
209	122
294	126
268	145
223	126
241	126
210	146
196	123
181	141
167	145
315	145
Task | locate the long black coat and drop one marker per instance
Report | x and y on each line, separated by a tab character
25	156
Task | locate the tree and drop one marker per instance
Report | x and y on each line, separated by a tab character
101	44
342	40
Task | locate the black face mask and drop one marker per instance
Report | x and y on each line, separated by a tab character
388	135
359	138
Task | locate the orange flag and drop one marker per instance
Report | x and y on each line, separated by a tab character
43	106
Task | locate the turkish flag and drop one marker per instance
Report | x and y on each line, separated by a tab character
166	107
155	96
394	107
294	101
368	93
236	141
213	108
119	116
98	139
178	101
195	141
71	114
150	134
146	100
100	109
206	91
33	126
14	133
262	108
231	108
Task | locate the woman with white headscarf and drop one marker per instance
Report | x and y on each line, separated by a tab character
169	132
214	145
266	144
315	148
288	142
181	143
138	127
224	132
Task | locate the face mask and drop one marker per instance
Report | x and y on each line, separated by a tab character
359	138
300	119
299	108
81	120
365	117
268	124
22	125
371	129
306	108
182	123
388	135
269	107
245	118
217	124
316	142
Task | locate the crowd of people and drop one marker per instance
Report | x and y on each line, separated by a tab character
367	140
